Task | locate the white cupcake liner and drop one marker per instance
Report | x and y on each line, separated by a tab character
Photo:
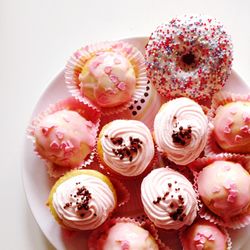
79	58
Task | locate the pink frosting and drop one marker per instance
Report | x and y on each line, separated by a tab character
204	235
232	127
225	188
126	236
108	79
65	138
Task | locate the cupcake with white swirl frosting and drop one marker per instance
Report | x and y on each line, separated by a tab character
169	199
126	148
180	130
82	199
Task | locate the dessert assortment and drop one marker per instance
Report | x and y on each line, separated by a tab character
136	126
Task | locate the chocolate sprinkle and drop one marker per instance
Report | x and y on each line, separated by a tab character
182	136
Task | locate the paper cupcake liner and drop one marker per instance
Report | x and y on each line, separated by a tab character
114	174
85	111
96	236
81	56
222	229
235	222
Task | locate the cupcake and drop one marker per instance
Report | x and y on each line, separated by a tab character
169	199
82	199
190	56
227	190
180	130
205	235
231	125
108	76
125	233
126	148
65	135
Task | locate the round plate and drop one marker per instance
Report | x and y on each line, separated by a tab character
37	183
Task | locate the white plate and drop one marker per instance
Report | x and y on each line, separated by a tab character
37	183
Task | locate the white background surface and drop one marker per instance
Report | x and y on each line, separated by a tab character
36	39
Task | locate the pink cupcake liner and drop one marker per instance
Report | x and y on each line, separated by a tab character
81	56
85	111
223	229
235	222
95	236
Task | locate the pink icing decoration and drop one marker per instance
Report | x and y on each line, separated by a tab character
77	54
125	245
107	70
54	145
246	117
237	138
227	130
201	238
117	61
114	79
96	64
121	86
59	135
232	189
65	119
128	50
229	121
45	131
233	110
244	129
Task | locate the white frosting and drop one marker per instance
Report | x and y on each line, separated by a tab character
156	184
127	129
174	114
101	203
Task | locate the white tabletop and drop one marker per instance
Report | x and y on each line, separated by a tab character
36	39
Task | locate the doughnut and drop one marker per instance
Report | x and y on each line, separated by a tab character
189	56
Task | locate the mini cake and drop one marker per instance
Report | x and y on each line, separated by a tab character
189	56
126	147
108	76
224	187
204	235
123	233
180	130
82	199
232	127
168	198
65	138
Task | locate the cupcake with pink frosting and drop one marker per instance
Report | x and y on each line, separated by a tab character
125	233
65	135
82	199
180	130
223	183
126	148
107	76
169	199
230	116
205	235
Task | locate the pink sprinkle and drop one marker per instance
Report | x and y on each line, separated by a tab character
77	54
246	117
233	110
54	145
95	64
107	70
117	61
226	167
114	79
227	130
125	245
59	135
229	121
244	129
237	138
211	237
45	131
216	189
121	86
128	50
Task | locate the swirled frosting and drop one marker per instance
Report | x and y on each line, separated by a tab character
168	198
127	147
83	202
108	79
180	130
